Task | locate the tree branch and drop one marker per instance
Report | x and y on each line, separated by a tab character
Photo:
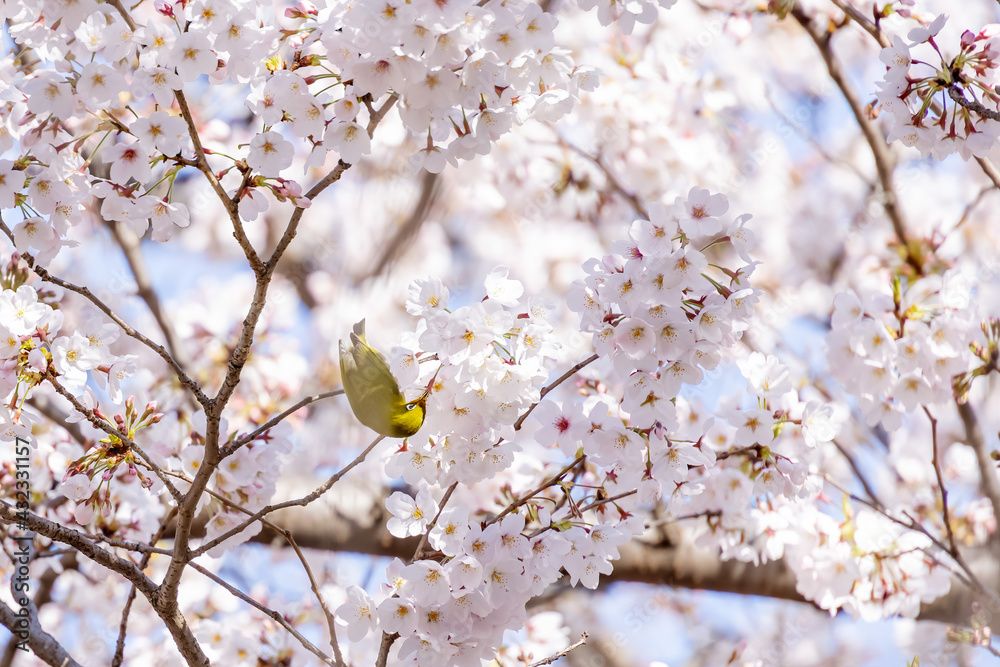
301	502
107	428
270	613
884	164
561	654
119	656
987	467
163	353
132	250
166	609
42	644
271	423
545	390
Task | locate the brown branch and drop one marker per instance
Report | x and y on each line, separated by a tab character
270	613
242	349
884	163
46	647
990	170
936	460
119	656
958	97
302	558
81	542
987	467
130	246
103	425
376	118
164	354
43	595
561	654
121	10
240	354
172	619
301	502
418	552
545	390
429	189
271	423
383	649
187	508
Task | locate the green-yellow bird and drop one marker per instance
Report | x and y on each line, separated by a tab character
373	392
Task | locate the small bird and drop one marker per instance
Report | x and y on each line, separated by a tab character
373	392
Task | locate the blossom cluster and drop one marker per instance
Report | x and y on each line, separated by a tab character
464	75
900	351
952	106
658	320
34	345
490	360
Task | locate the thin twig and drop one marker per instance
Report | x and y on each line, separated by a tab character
612	180
972	205
884	164
593	505
987	467
330	620
957	96
137	547
119	656
418	552
390	249
287	534
271	423
857	471
964	573
270	613
561	654
936	460
107	428
132	250
545	390
164	354
812	141
541	487
301	502
868	26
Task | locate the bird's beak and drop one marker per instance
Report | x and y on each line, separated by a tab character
430	385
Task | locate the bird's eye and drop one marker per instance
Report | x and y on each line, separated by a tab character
410	406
